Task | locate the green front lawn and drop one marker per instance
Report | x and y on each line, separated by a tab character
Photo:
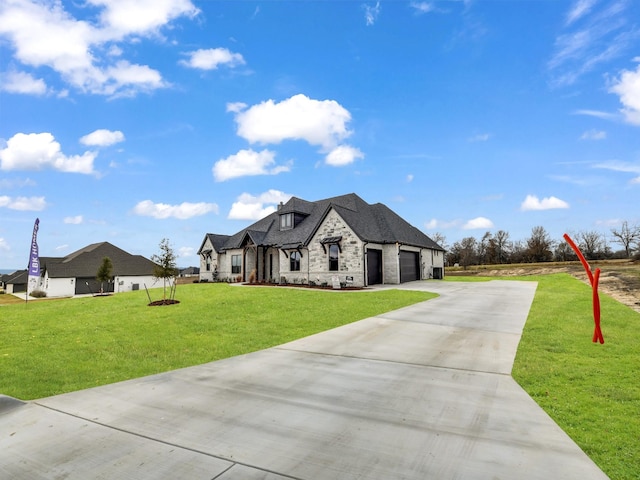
592	391
48	347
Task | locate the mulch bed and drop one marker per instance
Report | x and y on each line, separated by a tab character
168	301
298	285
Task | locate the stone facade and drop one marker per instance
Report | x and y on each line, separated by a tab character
350	257
208	262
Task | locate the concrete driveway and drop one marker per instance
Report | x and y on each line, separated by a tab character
423	392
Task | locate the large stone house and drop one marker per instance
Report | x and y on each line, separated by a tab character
340	239
75	274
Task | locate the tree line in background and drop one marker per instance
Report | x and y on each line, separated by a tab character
496	248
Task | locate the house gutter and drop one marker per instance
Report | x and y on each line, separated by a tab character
365	268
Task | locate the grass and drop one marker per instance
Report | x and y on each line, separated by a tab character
592	391
48	347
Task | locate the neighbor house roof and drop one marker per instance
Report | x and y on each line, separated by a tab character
371	223
18	277
86	261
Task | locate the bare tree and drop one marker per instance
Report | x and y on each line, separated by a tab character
627	236
518	252
502	245
463	252
539	245
468	251
564	252
440	239
592	244
483	248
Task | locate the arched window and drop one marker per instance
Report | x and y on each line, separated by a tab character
334	255
294	261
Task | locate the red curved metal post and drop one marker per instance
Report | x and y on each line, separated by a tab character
593	279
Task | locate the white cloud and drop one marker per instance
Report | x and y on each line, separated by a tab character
33	204
4	245
627	87
481	137
102	138
321	123
603	34
35	151
531	202
431	224
211	58
247	163
44	34
435	223
318	122
409	178
236	107
371	13
343	155
16	183
623	167
477	223
186	252
142	17
185	210
77	220
249	207
596	113
593	134
23	83
579	9
423	7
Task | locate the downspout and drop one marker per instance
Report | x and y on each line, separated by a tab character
308	266
398	245
365	266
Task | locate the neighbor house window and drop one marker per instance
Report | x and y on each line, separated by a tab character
286	221
236	264
208	263
334	252
294	261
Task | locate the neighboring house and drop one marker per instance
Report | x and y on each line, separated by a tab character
189	272
341	238
75	274
15	282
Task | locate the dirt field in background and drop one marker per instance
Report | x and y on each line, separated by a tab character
618	279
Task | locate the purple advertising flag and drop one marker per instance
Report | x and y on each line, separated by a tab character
34	259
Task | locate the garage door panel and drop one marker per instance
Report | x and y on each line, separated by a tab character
409	266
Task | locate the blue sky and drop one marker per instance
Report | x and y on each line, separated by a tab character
131	121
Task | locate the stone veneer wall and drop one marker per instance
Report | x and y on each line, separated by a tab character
204	274
390	264
350	260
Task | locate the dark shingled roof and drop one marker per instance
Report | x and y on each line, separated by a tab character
18	277
86	261
371	223
218	242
